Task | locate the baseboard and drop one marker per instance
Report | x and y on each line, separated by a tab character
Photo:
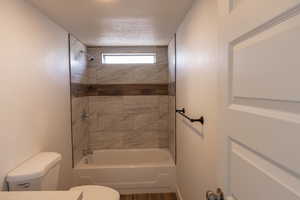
178	193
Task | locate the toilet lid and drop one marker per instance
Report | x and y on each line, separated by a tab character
94	192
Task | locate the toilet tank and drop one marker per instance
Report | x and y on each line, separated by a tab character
41	172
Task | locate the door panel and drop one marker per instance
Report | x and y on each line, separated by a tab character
263	180
248	15
260	88
273	134
259	55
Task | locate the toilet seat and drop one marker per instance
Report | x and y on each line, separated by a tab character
94	192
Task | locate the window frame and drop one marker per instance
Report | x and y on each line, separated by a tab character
103	55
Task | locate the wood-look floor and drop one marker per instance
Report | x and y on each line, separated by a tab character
165	196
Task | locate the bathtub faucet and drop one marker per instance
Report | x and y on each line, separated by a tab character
86	152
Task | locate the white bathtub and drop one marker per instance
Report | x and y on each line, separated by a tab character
128	171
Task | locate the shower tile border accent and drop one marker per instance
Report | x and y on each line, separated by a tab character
172	89
81	90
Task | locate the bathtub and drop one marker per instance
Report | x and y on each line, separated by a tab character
128	171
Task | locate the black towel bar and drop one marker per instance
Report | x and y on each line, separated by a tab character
182	112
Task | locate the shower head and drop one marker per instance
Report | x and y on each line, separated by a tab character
89	57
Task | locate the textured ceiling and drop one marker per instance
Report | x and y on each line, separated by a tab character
117	22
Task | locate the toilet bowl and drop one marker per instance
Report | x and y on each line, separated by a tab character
41	173
93	192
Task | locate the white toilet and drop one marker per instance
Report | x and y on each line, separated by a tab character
41	173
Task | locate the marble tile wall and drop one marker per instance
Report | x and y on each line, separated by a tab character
128	122
99	73
80	127
120	121
80	103
172	97
79	72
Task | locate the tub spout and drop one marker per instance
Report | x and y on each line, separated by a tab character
86	152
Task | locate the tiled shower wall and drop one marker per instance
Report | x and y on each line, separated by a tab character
99	73
80	104
172	97
135	116
124	121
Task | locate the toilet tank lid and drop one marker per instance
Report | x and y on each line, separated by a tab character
35	167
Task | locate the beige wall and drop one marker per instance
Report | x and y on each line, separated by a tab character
197	43
34	103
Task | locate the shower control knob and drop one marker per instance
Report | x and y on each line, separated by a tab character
84	116
215	195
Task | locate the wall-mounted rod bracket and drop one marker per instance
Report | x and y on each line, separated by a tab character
182	112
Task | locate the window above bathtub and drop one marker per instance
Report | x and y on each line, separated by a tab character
128	58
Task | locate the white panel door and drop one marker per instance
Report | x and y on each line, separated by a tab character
260	111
